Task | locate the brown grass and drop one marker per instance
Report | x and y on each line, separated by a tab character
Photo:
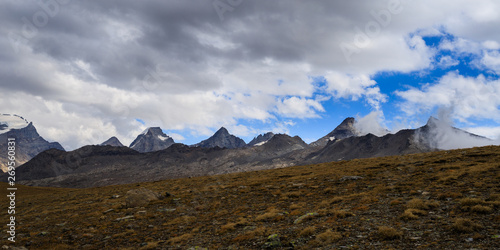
480	209
326	238
389	233
179	239
272	214
412	214
308	231
462	225
417	203
213	212
468	202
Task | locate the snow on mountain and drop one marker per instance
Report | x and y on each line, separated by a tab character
345	130
152	139
261	139
9	122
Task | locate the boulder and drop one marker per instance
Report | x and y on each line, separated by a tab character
140	197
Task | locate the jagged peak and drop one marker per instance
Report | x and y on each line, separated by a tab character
222	130
348	121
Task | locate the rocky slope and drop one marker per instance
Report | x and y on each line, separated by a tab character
105	165
438	200
152	139
28	142
345	130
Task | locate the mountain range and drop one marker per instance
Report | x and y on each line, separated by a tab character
155	156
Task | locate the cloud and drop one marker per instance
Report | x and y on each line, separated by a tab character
443	135
371	124
447	62
489	132
470	97
96	66
491	60
354	87
295	107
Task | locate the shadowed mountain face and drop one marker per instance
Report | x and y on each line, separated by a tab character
113	141
345	130
153	139
222	139
28	144
106	165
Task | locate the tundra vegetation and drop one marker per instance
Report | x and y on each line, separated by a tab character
437	200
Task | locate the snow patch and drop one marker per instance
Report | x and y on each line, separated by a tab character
260	143
332	138
145	131
163	138
9	122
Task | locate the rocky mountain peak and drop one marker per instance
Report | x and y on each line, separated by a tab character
346	129
222	132
28	142
152	139
223	139
113	141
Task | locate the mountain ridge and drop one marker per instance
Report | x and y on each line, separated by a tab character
223	139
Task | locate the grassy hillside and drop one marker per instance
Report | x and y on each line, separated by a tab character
439	200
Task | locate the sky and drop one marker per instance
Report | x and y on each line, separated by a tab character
83	71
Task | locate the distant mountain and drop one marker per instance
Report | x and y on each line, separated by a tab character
281	144
440	135
434	135
119	165
222	139
91	166
152	139
113	141
28	142
260	139
345	130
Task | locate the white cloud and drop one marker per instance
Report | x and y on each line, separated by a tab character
469	97
182	69
177	137
295	107
491	60
447	61
371	123
354	87
489	132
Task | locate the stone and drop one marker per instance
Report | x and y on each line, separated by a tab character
304	217
139	197
350	178
125	218
273	241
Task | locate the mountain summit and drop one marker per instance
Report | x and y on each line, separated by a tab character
152	139
113	141
345	130
28	142
222	139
